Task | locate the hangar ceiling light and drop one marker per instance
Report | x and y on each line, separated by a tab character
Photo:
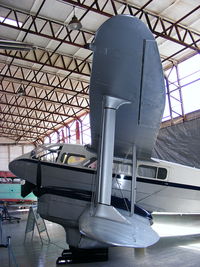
75	24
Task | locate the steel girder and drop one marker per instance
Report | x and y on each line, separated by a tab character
61	109
46	115
159	26
46	88
24	109
39	102
29	120
20	131
51	100
53	110
44	27
6	133
58	31
52	103
44	80
174	96
52	59
50	29
23	125
35	122
42	111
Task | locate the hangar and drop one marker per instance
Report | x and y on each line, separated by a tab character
44	93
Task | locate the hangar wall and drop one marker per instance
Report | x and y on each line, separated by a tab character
9	152
180	143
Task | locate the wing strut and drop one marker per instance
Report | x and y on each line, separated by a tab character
104	209
133	184
110	106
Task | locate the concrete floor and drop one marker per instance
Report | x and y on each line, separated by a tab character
168	252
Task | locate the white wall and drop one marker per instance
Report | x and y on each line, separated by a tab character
3	158
9	152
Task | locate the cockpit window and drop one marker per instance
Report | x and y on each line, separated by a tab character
91	163
46	153
152	172
72	159
63	158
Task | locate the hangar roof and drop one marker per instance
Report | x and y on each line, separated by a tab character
55	76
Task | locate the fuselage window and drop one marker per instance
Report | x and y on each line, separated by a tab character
147	171
162	173
152	172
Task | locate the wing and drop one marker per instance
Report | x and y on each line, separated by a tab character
126	64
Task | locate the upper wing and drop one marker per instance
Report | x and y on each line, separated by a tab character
126	64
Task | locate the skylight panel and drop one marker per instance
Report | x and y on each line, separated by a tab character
11	22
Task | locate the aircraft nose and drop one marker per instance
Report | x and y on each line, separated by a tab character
13	167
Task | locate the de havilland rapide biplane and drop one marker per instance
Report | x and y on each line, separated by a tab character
103	193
